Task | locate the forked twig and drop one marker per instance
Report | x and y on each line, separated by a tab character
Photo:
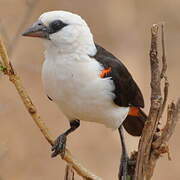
152	144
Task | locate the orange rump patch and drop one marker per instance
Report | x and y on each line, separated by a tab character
134	111
105	72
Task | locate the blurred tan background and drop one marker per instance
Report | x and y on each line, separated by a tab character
123	27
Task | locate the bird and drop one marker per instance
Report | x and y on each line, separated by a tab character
86	81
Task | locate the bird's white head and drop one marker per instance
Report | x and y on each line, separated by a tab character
64	32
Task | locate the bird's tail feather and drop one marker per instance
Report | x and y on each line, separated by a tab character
134	124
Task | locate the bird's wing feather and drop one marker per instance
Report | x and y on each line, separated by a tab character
126	90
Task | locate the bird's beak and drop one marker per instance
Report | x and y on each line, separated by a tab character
38	29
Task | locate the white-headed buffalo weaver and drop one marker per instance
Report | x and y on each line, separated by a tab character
87	82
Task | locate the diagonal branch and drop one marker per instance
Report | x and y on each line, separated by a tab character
15	79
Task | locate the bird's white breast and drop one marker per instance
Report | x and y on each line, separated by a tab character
73	82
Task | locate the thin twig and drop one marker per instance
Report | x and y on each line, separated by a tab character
14	78
167	131
163	71
160	145
164	62
69	173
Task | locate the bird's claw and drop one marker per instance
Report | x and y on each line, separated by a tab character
59	146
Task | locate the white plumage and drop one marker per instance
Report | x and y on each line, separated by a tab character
83	88
72	79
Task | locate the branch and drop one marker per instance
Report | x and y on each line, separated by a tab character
152	122
15	79
153	143
172	118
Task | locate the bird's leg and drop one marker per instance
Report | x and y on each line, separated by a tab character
60	143
124	157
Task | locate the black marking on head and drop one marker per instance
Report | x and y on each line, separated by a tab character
56	26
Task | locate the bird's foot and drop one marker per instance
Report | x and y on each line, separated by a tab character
59	146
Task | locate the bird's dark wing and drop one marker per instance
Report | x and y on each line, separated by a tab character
126	90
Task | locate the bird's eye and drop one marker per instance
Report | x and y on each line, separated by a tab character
56	26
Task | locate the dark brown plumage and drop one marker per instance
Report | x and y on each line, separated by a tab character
127	92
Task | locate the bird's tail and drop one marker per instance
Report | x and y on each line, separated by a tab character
134	122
